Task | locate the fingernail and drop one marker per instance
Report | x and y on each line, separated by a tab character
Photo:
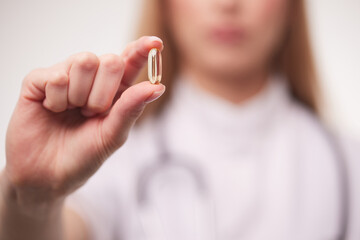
155	38
154	96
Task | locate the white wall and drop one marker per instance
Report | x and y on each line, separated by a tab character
38	33
335	26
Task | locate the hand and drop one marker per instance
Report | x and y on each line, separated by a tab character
71	117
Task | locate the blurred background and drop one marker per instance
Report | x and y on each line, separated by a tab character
39	33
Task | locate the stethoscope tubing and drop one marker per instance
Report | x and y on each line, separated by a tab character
334	144
344	183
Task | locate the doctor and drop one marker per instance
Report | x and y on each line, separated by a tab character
235	149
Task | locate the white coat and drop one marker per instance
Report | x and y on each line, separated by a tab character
267	166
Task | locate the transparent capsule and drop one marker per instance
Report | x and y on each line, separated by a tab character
154	66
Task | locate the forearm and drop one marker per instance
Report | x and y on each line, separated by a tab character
20	219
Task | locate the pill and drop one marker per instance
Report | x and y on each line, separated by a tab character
154	66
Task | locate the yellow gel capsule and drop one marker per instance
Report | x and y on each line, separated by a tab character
154	66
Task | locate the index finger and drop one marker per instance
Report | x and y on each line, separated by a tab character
135	55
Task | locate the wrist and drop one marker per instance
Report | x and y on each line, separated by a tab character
27	202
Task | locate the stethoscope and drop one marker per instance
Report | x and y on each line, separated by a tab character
344	183
153	226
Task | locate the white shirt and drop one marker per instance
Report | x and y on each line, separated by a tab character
267	166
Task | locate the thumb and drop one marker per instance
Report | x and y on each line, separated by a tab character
127	110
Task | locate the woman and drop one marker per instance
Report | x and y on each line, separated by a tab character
233	150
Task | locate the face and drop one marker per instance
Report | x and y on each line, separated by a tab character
227	37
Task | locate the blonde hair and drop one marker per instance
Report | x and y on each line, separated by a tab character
294	60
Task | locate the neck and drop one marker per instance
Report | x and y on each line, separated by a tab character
236	89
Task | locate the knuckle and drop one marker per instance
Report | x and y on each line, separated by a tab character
112	62
59	78
136	62
143	38
87	61
35	73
